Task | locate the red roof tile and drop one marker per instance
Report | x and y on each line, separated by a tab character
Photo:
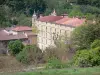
74	22
50	18
5	36
21	28
61	21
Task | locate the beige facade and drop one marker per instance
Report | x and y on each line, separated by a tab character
47	32
53	26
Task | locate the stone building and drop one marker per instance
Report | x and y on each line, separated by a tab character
22	33
53	25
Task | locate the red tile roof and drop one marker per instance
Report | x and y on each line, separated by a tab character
62	20
74	22
21	28
50	18
6	36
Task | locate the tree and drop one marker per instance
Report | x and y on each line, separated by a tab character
61	50
15	47
24	20
95	44
2	16
89	2
31	54
90	57
84	35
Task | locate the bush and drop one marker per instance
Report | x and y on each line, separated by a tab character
87	58
82	58
95	53
55	63
30	54
50	53
15	47
84	35
95	44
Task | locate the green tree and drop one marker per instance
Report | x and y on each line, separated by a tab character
2	16
31	54
76	12
84	35
15	47
24	20
89	2
90	57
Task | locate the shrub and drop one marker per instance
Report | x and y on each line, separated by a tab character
82	58
30	54
15	47
95	53
50	53
87	58
54	63
84	35
95	44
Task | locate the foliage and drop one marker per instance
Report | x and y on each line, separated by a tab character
35	29
10	9
24	20
84	35
76	12
89	2
30	54
83	58
50	52
2	14
67	71
54	63
87	58
95	44
89	16
15	47
89	9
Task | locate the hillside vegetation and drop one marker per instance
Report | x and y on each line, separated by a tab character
19	12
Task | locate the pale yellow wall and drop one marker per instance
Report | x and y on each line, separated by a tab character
46	33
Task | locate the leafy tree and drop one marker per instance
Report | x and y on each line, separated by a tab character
2	16
16	5
84	35
31	54
87	58
24	20
62	48
2	2
54	63
89	2
95	44
76	12
15	47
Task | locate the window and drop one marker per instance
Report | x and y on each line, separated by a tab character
55	30
65	32
50	30
60	31
46	29
46	34
46	41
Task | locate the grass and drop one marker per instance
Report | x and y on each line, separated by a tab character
74	71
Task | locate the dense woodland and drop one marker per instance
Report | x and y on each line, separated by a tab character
19	12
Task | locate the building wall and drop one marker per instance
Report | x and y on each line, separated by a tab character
32	39
47	32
